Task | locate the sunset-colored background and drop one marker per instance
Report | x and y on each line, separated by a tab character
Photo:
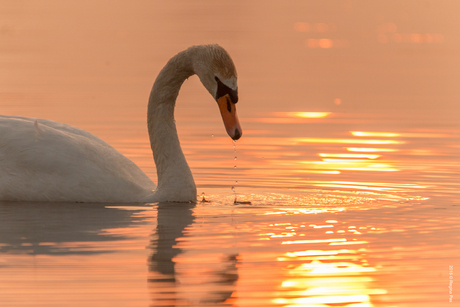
388	69
345	106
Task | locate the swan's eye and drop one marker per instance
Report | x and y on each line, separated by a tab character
223	90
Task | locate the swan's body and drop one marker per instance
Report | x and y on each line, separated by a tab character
42	160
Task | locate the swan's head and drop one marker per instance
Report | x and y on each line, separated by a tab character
217	72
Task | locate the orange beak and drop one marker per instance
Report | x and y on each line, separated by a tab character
228	112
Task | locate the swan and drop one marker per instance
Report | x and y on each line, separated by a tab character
43	160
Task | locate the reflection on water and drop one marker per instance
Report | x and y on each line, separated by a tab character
327	282
166	288
64	229
172	220
281	251
195	286
347	171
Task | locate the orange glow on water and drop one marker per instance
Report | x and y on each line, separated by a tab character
313	253
374	134
349	141
310	114
302	114
349	242
354	149
319	27
318	172
388	32
302	26
342	186
321	283
321	226
314	241
373	186
357	156
350	165
392	134
324	193
325	43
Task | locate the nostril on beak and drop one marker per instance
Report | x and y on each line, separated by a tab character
237	134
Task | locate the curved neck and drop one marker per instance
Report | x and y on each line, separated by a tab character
172	168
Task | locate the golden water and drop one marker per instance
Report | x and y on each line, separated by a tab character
349	156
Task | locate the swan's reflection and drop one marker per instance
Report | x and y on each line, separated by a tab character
173	218
40	228
70	229
166	287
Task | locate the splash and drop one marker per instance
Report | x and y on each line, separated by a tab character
203	198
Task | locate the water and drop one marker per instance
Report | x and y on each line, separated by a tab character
347	172
297	254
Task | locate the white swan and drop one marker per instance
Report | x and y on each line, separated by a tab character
42	160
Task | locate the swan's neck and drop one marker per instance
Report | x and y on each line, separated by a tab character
175	180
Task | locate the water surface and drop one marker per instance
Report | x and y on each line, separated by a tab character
349	157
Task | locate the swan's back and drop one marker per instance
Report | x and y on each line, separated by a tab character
42	160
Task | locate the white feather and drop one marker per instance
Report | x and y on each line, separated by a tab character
51	161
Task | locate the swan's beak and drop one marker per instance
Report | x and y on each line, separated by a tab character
228	112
